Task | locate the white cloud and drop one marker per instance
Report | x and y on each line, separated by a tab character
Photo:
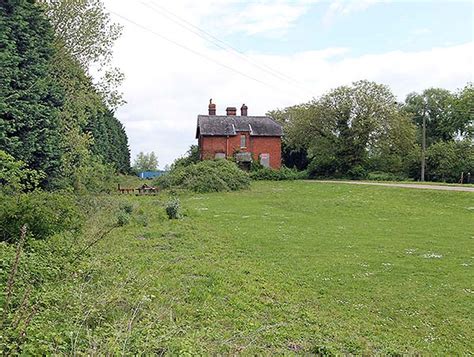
340	8
421	31
265	17
166	86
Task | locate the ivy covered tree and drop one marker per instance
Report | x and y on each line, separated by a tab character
30	100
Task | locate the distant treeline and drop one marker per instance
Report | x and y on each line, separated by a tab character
361	131
53	116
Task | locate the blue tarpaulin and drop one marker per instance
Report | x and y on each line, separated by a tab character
150	174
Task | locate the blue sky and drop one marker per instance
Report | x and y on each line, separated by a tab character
170	72
382	27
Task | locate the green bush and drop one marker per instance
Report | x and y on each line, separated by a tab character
385	176
322	166
44	214
357	173
123	218
264	173
16	176
445	161
127	207
92	176
387	163
206	176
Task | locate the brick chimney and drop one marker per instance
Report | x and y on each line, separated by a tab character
212	107
243	110
231	111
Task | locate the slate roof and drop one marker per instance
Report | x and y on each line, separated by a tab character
223	125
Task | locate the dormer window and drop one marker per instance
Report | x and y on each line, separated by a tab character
243	143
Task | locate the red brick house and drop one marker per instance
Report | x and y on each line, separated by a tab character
246	138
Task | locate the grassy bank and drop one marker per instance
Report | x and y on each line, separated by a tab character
284	267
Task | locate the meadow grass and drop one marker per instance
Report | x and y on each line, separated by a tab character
286	267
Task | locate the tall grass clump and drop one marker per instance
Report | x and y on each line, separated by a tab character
207	176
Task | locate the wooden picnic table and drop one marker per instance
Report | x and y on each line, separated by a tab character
142	190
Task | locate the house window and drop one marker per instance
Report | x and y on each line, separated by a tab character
265	160
243	139
219	155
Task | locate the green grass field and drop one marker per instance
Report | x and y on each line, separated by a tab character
287	267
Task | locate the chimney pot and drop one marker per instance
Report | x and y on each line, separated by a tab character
212	107
231	111
244	110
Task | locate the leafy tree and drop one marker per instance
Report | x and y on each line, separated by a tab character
346	127
463	112
436	105
293	155
146	162
30	100
85	32
294	158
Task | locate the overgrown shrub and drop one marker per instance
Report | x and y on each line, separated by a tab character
173	208
40	278
385	176
265	173
206	176
387	163
44	214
